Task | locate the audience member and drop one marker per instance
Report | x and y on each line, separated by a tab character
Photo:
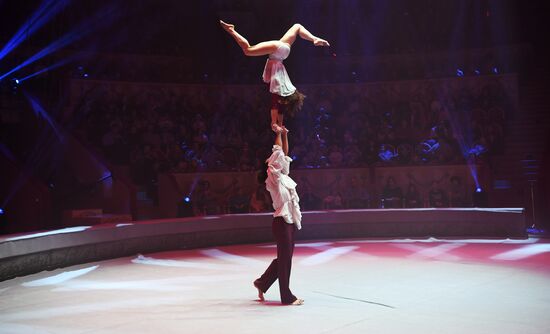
457	193
392	194
437	197
308	200
239	201
356	195
413	198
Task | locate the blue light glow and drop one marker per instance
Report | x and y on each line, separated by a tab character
41	112
6	152
459	72
386	154
430	146
104	16
478	189
106	175
1	211
51	67
47	10
187	199
477	150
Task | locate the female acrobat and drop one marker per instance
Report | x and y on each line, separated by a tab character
285	98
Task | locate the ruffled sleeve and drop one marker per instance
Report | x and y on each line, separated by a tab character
282	188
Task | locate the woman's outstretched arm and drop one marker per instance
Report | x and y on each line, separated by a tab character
284	138
299	30
278	139
281	139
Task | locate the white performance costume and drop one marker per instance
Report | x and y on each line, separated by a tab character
282	188
275	73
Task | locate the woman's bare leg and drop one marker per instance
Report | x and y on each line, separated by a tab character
299	30
260	49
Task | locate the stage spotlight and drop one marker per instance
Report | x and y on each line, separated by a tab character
1	211
82	72
477	72
185	207
14	83
459	72
495	70
478	190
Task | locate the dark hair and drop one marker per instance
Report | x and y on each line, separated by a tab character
290	105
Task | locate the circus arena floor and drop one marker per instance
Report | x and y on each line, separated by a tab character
349	286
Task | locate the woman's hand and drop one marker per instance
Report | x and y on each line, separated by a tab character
320	42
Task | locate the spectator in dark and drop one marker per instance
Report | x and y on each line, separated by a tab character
239	201
182	167
199	125
335	156
151	136
333	200
349	138
356	195
110	140
413	198
392	195
200	141
457	193
149	163
308	200
352	155
260	201
218	137
245	158
370	151
437	197
137	168
211	157
204	199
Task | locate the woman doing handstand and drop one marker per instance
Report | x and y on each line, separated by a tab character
285	97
